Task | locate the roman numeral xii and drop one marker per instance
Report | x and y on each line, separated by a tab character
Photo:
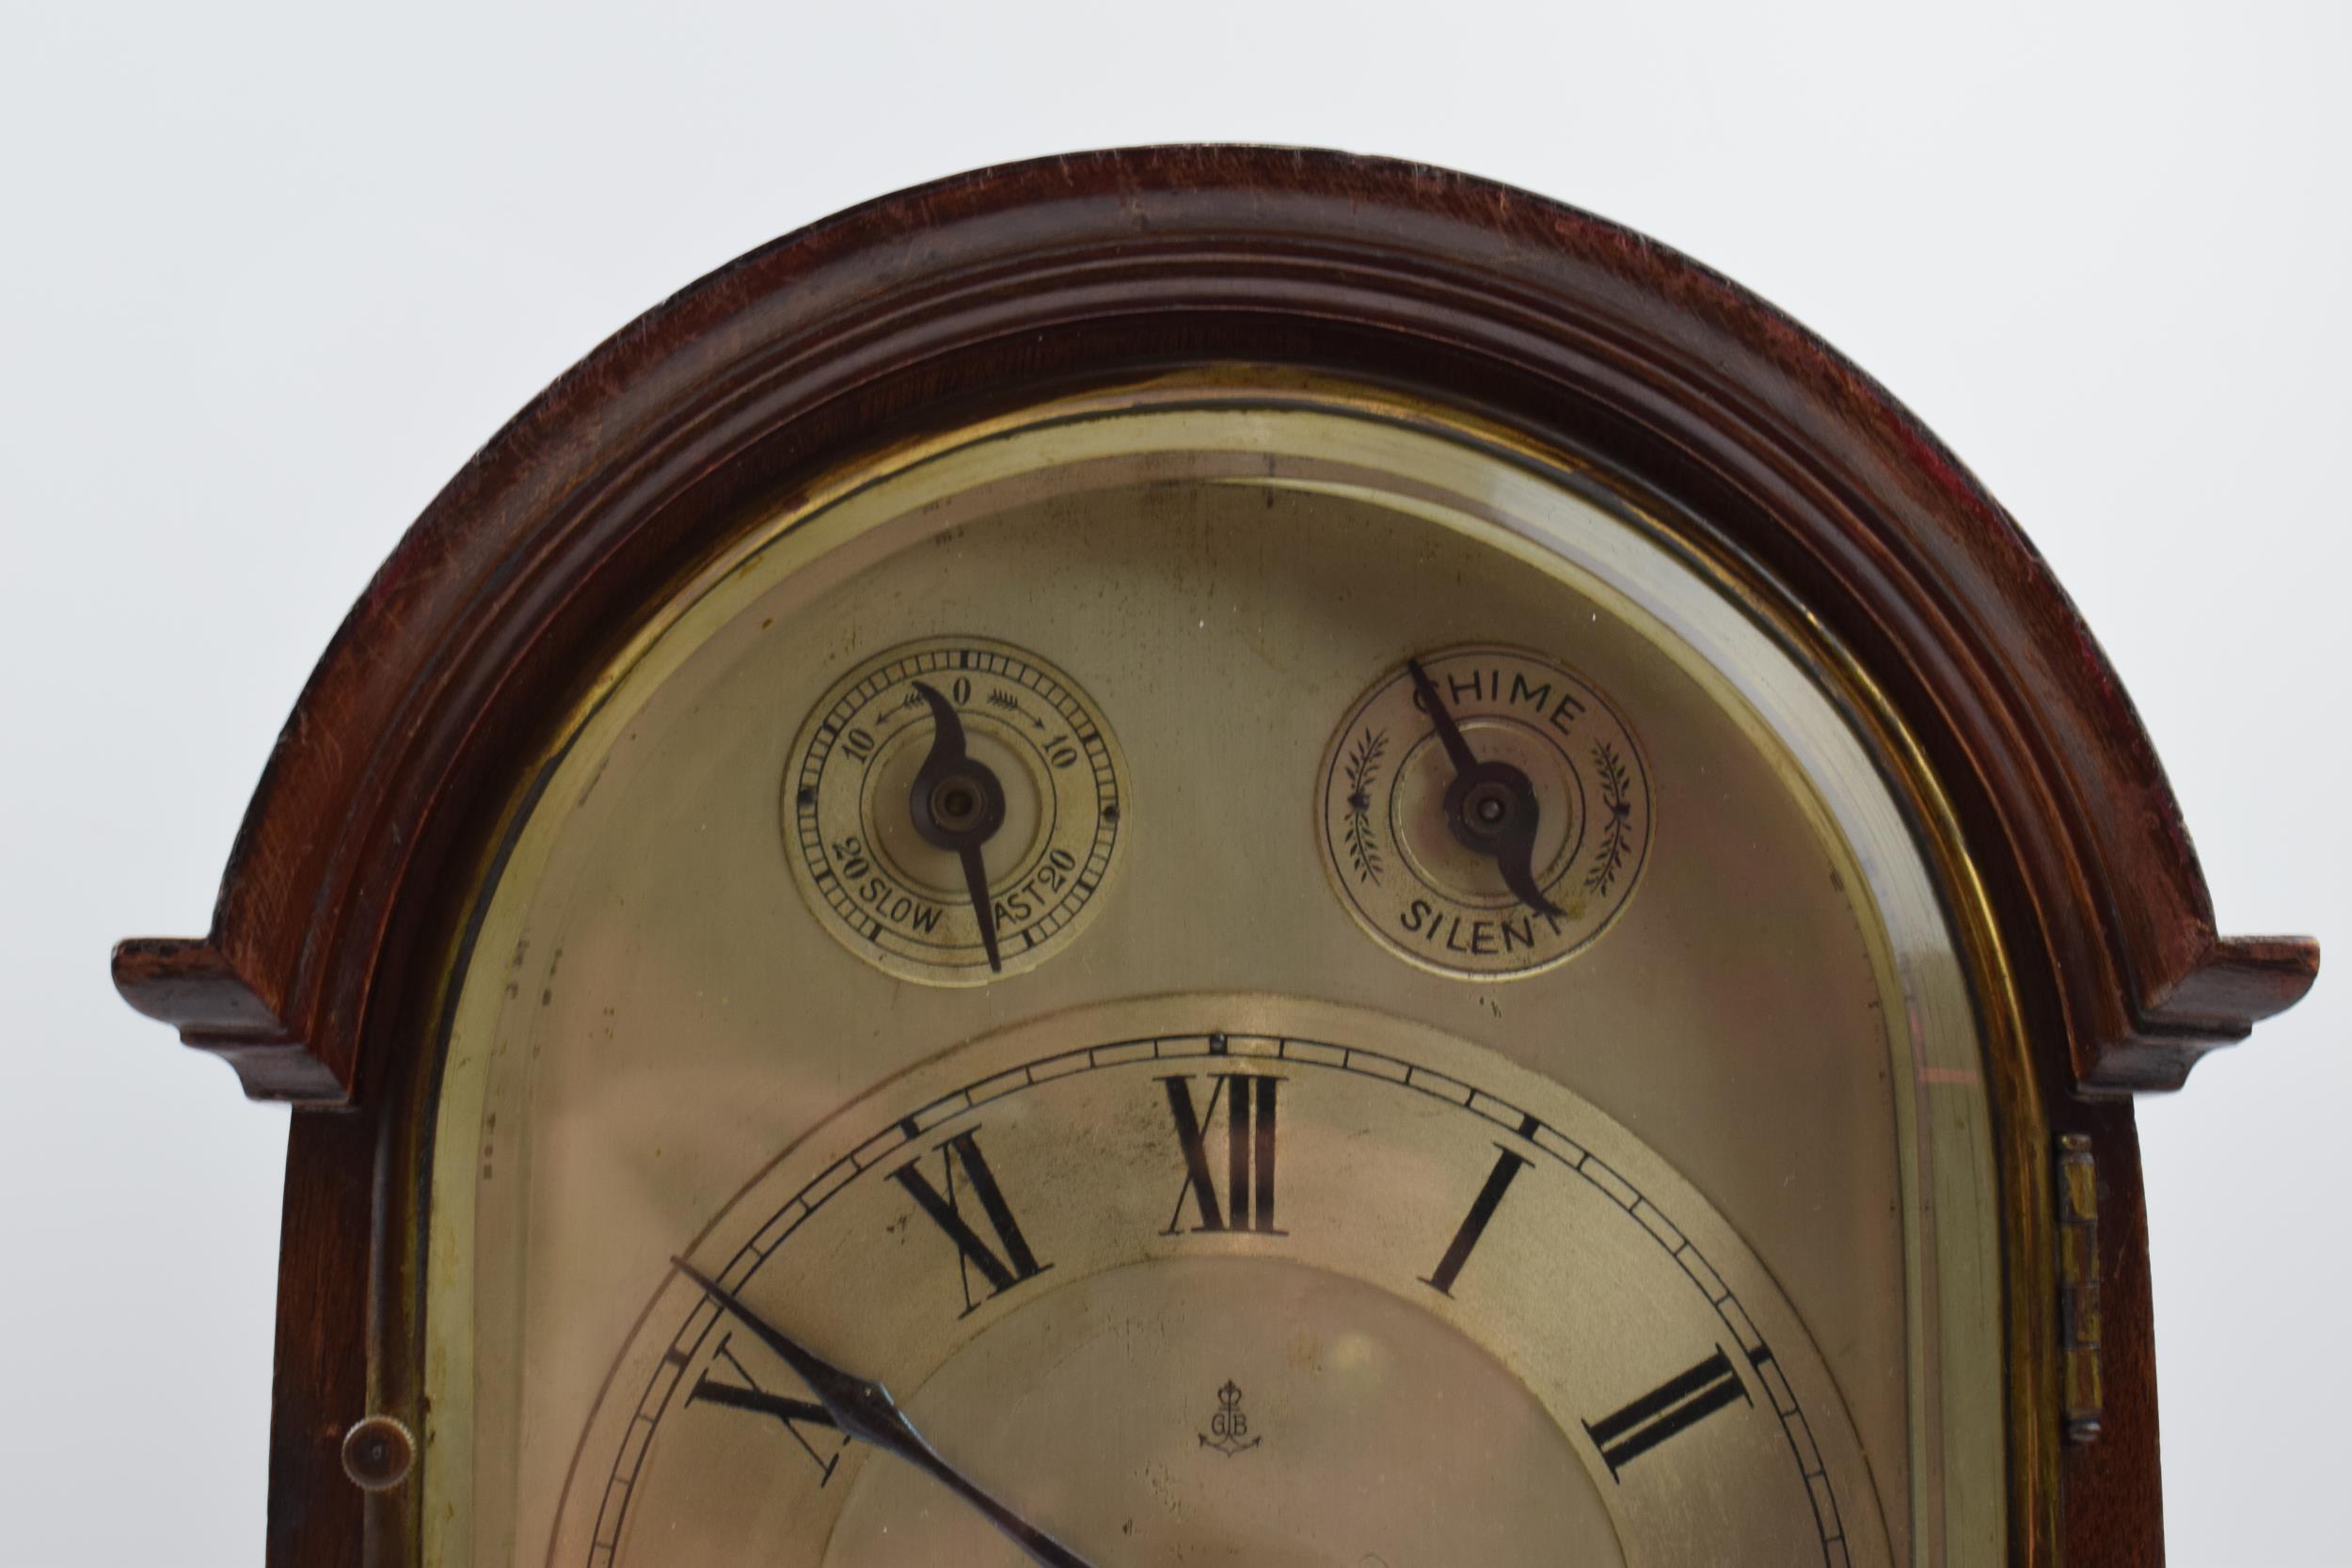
1248	1101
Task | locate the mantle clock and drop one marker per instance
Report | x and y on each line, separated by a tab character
1213	854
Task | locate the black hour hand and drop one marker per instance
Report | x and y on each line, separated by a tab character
864	1409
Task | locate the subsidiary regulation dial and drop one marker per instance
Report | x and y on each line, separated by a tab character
953	808
1486	812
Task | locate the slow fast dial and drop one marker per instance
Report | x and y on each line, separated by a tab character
954	807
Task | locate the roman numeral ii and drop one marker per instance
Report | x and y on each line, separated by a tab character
1676	1405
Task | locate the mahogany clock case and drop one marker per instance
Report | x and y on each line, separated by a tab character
959	301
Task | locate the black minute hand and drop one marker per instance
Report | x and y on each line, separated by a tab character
1490	806
864	1409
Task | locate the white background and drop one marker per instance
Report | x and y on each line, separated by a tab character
269	274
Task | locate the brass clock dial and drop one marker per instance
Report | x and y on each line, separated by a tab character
1224	1235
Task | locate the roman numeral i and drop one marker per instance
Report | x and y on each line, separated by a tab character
1249	1100
1001	1271
1473	1226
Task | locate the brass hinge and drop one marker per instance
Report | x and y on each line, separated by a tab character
2078	1286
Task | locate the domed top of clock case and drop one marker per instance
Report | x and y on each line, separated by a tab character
960	299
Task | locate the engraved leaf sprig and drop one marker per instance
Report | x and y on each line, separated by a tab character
1363	768
1616	834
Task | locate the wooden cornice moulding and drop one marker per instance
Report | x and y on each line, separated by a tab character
2235	984
977	294
190	984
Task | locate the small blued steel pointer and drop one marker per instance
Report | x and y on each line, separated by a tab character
958	805
1490	806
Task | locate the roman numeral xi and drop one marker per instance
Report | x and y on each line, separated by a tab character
1247	1203
999	1270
